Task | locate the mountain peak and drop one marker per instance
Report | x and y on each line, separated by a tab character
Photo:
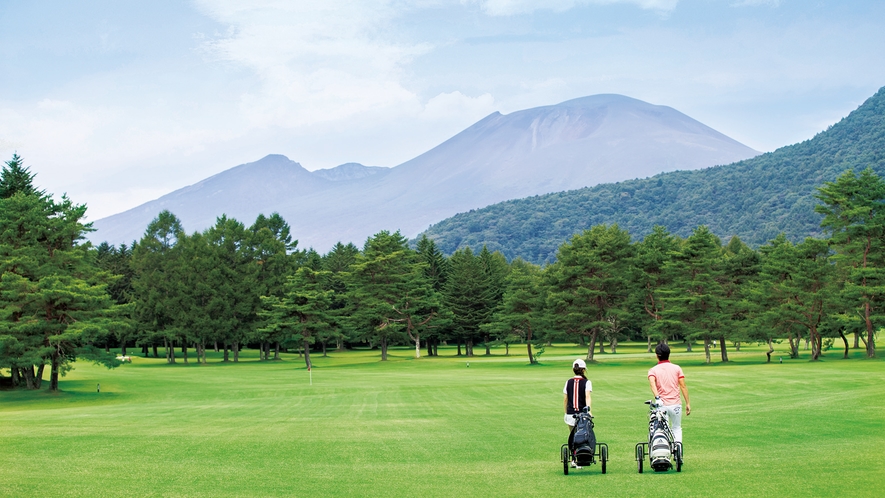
579	142
755	199
349	171
273	160
601	99
273	157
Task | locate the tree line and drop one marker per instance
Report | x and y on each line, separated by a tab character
232	286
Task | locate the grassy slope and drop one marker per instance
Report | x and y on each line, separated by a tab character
436	427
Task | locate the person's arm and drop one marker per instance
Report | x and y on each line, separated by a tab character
654	387
565	403
684	390
587	395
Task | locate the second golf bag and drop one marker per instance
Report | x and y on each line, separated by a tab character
659	439
662	450
658	445
583	439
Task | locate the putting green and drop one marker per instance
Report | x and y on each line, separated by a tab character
436	427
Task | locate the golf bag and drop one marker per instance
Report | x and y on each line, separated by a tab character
583	439
659	438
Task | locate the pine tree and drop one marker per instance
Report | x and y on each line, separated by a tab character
854	215
522	315
54	305
590	282
235	283
437	271
469	297
796	291
155	284
196	272
272	249
17	178
740	268
693	297
437	265
652	255
117	265
302	313
495	268
393	298
338	263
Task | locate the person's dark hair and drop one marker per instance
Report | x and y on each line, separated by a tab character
663	351
579	371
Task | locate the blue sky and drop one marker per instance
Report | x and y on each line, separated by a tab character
119	102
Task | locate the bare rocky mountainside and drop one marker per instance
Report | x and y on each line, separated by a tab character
575	144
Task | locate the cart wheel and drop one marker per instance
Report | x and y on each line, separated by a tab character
565	460
603	456
678	454
640	456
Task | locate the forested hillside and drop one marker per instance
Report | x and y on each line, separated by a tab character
755	199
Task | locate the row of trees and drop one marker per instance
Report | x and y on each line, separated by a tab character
231	285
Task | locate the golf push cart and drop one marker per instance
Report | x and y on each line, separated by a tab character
662	451
585	450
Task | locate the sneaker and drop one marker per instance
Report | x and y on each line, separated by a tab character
575	465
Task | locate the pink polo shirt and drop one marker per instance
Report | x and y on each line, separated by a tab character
667	377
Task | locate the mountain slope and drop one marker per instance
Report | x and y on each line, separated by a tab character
574	144
754	199
255	186
349	171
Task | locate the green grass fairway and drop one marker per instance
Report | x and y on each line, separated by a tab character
436	427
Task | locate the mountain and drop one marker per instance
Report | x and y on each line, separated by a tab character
581	142
349	171
755	199
236	192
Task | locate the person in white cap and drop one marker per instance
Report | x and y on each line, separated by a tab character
577	396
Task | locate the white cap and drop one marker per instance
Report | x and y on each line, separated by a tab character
579	363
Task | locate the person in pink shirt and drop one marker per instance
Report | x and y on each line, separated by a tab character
667	380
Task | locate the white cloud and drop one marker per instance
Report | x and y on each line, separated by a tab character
79	147
514	7
317	61
322	62
68	126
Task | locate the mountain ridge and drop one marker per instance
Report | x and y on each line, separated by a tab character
755	199
349	171
579	142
